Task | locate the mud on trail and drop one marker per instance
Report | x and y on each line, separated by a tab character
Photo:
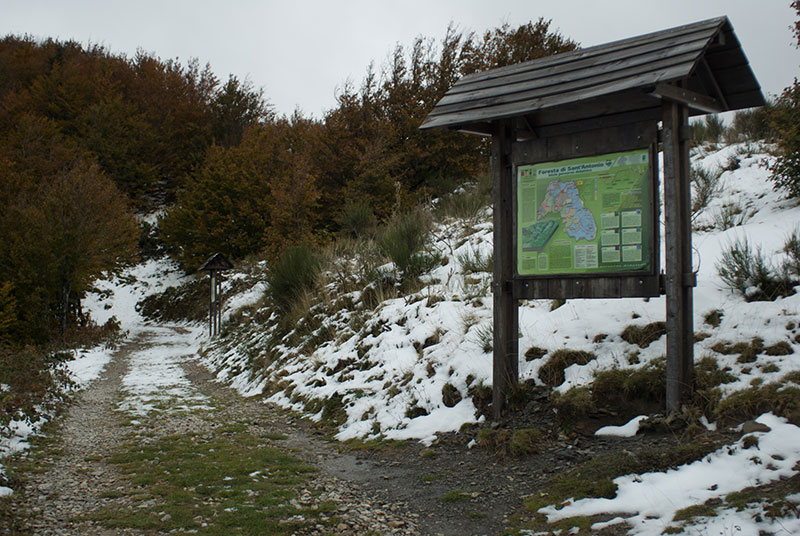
155	446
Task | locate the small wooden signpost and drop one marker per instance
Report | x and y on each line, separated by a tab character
217	263
575	143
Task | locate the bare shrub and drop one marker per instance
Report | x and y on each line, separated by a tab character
705	187
729	216
744	269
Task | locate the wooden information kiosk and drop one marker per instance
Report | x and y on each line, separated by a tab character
575	144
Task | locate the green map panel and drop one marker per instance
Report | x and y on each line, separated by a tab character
536	236
585	215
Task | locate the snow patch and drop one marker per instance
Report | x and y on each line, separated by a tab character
650	500
630	429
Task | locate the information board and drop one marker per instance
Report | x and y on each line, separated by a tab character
585	215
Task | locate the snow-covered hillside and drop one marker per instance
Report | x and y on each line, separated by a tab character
409	368
391	372
417	365
115	297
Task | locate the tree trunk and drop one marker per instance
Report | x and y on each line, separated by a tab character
64	306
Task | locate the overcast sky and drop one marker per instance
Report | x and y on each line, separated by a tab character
301	51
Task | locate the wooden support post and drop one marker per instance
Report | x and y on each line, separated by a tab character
505	370
219	305
211	301
679	277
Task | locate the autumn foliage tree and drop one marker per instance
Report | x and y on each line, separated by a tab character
371	147
236	106
64	222
147	122
236	178
785	117
268	183
254	197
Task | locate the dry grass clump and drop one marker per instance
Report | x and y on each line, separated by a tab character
748	352
707	374
534	352
642	336
450	395
714	317
552	372
778	398
779	348
614	389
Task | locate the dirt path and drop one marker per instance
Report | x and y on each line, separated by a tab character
108	470
73	483
68	484
71	477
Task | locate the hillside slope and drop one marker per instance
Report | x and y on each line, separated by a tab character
378	363
414	365
376	355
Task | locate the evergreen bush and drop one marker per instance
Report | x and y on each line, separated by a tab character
295	272
474	261
356	220
187	301
785	119
709	130
751	125
792	250
404	240
468	202
745	270
32	381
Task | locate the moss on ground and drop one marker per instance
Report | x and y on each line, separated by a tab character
230	482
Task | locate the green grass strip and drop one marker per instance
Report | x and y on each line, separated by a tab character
230	483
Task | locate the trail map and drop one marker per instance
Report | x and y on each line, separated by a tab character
585	215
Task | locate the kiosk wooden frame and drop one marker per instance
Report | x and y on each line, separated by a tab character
214	265
589	102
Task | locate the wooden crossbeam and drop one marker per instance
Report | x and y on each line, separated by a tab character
692	99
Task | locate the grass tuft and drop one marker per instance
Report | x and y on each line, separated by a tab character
692	512
714	318
782	400
748	352
534	352
458	495
450	395
779	348
503	442
595	478
642	336
552	372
